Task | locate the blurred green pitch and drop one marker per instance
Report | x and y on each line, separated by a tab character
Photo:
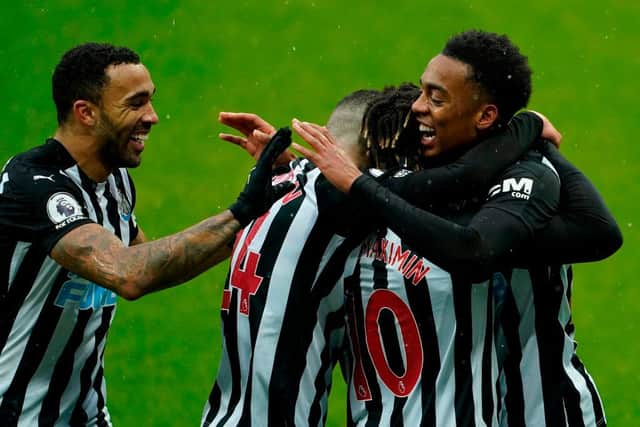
294	58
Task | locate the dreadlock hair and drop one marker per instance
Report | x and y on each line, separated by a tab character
80	74
389	129
497	66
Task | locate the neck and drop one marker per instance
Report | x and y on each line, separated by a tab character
85	150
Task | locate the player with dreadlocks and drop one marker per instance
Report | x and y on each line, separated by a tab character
422	337
282	307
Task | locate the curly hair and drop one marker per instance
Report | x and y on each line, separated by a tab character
497	67
80	74
389	130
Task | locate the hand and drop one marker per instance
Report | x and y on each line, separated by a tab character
258	194
257	133
549	131
328	157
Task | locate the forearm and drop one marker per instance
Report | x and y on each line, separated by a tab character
474	170
134	271
451	246
584	229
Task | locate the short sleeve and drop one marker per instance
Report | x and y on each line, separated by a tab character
39	205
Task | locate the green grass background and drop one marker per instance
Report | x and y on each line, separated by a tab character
292	58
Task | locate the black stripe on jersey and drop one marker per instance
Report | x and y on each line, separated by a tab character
465	413
420	303
62	372
548	292
334	321
34	351
595	399
229	322
79	416
8	246
509	322
299	318
12	301
355	317
487	377
101	420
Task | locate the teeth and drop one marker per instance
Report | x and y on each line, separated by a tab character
428	130
140	137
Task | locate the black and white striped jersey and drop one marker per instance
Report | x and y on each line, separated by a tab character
543	382
282	313
53	324
421	341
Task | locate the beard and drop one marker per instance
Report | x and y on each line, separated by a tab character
116	152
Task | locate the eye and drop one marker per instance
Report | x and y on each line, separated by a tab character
436	101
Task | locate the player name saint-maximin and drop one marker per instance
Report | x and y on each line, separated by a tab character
411	265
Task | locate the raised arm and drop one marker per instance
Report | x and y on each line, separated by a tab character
474	170
97	255
471	173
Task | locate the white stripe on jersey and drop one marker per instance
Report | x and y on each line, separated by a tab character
278	294
74	173
313	368
16	260
23	325
529	366
72	300
440	290
530	369
258	358
443	308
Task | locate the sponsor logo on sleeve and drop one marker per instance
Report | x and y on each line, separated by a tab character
516	188
63	209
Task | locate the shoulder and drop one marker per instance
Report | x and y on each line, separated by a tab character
532	174
37	174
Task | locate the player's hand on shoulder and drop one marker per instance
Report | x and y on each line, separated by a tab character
549	131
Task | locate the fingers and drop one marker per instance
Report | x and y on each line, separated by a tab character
317	136
245	122
237	140
309	154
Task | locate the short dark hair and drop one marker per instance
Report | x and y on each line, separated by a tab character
80	74
497	66
389	130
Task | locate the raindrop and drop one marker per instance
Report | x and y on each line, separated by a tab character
168	116
509	76
630	225
293	48
173	22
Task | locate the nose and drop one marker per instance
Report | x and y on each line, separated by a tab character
420	106
150	116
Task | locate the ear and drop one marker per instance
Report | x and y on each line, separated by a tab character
85	112
488	116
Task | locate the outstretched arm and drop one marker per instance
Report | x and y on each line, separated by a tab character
500	228
466	176
97	255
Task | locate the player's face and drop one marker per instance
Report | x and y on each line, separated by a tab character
448	107
126	114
